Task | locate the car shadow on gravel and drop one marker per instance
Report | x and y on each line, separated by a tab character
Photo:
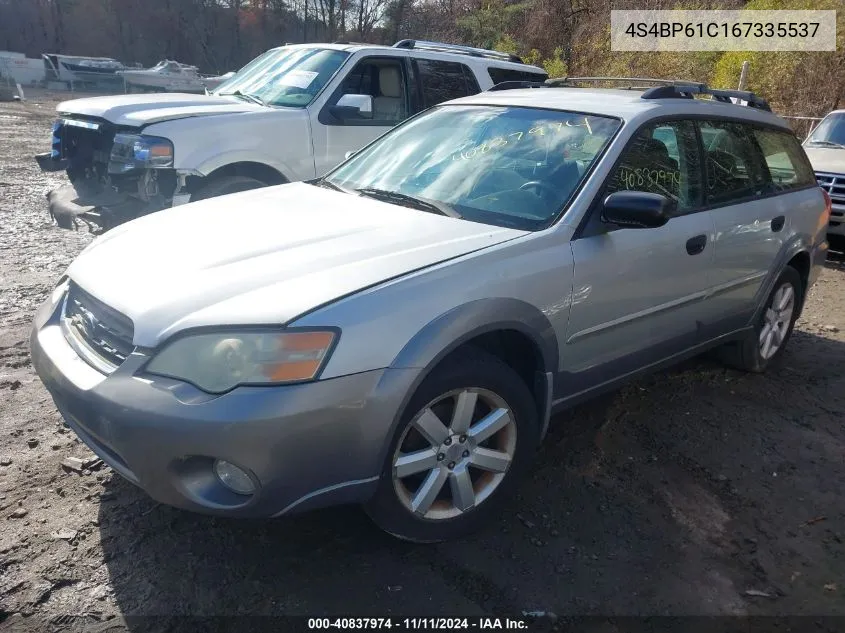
667	497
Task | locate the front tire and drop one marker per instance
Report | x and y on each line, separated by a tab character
227	185
466	435
773	328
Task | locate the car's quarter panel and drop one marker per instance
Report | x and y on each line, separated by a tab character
398	323
806	238
277	137
264	257
638	297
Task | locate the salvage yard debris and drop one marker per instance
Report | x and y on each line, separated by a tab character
79	465
64	535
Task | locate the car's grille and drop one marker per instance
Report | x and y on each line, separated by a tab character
834	184
102	331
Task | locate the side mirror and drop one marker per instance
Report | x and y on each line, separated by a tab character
349	154
353	107
637	209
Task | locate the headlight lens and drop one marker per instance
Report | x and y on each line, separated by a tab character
138	151
217	362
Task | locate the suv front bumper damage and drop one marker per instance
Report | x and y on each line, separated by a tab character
100	207
99	210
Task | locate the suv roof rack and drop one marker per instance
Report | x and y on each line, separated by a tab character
457	48
658	89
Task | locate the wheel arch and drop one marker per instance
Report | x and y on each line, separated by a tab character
794	253
251	169
496	325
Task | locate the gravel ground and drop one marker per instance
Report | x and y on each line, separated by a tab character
697	491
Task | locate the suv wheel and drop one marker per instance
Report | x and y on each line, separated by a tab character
466	434
766	342
226	185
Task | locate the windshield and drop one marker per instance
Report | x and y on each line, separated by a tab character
507	166
831	131
290	77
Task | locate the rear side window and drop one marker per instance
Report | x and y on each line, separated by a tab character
788	165
498	75
734	166
442	81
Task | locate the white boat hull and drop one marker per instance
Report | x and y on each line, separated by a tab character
160	81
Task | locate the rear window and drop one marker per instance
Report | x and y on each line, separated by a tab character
499	75
787	163
442	81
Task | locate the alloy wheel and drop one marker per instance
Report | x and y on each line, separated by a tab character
454	453
776	321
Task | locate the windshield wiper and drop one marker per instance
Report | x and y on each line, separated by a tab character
248	97
406	200
826	143
327	184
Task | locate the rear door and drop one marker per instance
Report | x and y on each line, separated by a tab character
639	294
750	171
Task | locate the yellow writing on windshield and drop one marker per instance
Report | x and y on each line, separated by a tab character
516	137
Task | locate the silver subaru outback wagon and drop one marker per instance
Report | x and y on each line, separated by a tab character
399	332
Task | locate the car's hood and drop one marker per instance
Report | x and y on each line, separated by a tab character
826	159
263	257
141	110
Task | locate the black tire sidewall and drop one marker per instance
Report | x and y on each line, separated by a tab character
227	185
473	368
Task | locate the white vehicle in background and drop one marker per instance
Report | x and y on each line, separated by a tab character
825	147
166	76
291	114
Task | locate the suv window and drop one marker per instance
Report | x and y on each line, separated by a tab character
499	75
734	166
442	81
384	80
787	163
662	158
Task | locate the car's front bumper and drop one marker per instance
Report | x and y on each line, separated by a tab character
306	446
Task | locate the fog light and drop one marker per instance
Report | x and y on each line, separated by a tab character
234	478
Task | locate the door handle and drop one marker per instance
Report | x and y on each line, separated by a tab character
696	244
778	222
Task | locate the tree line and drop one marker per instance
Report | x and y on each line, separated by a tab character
567	37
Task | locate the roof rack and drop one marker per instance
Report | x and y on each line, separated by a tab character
658	89
457	48
725	96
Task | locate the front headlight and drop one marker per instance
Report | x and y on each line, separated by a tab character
220	361
139	151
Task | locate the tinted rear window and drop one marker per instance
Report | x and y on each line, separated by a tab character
787	163
498	75
442	81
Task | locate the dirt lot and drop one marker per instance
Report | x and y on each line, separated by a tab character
698	491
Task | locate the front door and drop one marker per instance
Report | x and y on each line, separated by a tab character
638	294
385	79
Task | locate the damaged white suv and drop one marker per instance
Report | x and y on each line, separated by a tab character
291	114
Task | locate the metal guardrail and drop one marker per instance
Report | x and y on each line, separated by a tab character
802	123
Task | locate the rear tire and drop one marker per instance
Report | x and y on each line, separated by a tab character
226	185
765	344
473	466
